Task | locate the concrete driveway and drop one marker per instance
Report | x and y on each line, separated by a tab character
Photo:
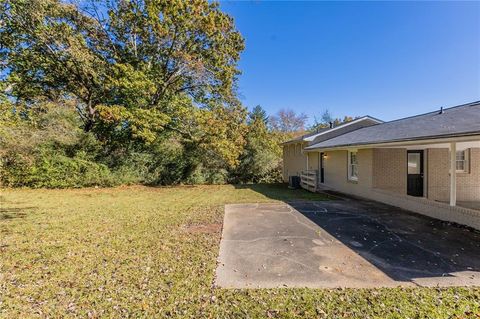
344	243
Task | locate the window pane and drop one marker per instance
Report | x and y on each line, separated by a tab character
414	163
354	171
460	155
352	165
353	158
460	165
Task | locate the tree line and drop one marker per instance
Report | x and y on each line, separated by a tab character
117	92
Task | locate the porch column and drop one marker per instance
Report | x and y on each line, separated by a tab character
306	154
319	165
453	174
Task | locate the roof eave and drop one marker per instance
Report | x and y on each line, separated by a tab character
399	142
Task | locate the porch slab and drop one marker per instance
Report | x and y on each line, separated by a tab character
345	243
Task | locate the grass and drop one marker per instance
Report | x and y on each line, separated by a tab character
151	252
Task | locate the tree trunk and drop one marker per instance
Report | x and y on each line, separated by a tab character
88	125
90	117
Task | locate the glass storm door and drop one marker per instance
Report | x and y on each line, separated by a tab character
415	173
322	169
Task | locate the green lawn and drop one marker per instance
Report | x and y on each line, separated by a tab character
151	252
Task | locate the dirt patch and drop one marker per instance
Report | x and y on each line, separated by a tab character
203	228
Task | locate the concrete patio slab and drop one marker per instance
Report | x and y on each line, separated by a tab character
346	243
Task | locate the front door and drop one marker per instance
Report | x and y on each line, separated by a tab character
415	173
322	170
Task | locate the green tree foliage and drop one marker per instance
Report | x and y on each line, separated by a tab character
261	157
326	118
258	113
108	92
43	146
140	55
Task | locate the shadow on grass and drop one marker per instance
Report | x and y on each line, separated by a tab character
282	192
7	213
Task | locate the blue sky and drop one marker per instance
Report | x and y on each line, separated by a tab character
384	59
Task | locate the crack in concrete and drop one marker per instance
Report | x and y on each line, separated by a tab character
293	211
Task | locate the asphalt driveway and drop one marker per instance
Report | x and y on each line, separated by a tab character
344	243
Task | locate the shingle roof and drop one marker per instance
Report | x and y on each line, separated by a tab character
311	136
455	121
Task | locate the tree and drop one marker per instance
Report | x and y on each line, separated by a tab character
260	160
258	113
345	119
130	65
43	145
287	121
141	73
327	119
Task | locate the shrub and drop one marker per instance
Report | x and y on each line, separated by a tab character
51	170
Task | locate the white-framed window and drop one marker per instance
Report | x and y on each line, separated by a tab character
352	166
462	161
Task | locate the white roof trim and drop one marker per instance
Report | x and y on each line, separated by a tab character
420	141
312	137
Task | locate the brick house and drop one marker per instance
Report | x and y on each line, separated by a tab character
405	163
